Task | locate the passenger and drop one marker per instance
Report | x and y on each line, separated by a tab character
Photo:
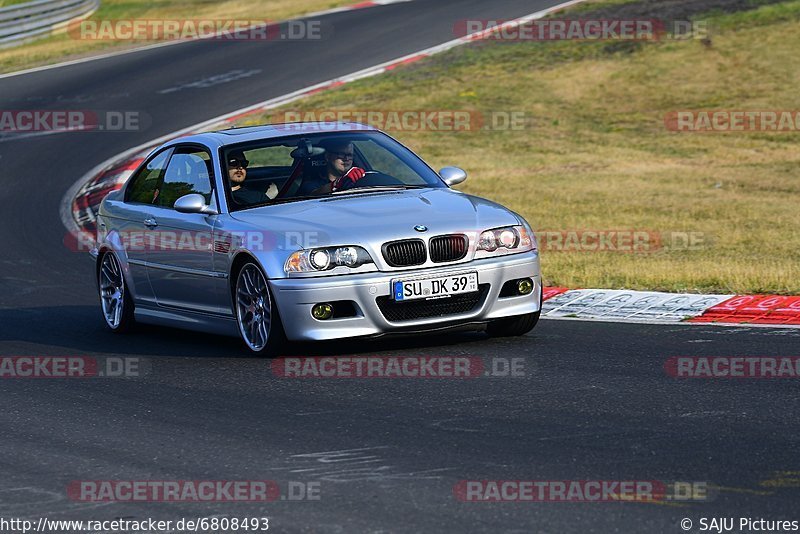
237	174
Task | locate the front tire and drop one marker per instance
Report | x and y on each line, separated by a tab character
518	325
256	314
513	326
115	299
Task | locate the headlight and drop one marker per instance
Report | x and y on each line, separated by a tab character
325	259
346	256
507	240
320	259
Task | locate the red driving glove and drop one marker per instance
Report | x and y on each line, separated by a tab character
349	178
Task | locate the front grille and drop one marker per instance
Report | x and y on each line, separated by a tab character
422	309
405	253
448	247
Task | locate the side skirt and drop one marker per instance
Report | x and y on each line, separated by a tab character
200	322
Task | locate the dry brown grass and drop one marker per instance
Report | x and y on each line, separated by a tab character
596	154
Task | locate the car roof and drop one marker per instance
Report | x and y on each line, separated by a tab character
231	136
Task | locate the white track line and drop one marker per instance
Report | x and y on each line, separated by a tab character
182	41
668	323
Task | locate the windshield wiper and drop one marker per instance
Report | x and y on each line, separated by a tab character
369	188
292	199
278	201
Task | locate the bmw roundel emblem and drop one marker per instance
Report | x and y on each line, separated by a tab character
421	228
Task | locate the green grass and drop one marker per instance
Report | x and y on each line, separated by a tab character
595	153
61	46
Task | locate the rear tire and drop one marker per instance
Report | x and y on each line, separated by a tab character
260	326
115	298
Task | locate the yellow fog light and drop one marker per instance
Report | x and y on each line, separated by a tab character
322	311
524	286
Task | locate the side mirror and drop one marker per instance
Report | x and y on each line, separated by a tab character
193	203
453	175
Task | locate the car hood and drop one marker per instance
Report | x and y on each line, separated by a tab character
374	218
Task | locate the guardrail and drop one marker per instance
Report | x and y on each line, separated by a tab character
25	22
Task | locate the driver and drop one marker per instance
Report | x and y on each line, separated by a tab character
339	172
237	174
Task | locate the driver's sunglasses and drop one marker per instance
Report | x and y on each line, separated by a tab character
342	155
236	163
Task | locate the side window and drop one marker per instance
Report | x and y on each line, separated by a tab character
189	171
272	156
143	188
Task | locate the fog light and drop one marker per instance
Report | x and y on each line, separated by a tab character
322	311
524	286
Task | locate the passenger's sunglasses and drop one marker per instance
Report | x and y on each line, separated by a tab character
236	163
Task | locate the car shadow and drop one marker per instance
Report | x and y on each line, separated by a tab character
60	330
67	330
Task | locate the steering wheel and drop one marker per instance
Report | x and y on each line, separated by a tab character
372	179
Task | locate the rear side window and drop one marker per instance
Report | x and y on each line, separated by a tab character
143	188
189	171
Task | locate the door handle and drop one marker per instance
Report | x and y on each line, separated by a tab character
150	222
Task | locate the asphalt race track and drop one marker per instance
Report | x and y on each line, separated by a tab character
595	402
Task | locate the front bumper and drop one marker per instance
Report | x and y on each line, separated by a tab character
296	296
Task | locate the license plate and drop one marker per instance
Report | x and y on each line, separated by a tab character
439	287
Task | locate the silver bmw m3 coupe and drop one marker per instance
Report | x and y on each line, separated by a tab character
310	231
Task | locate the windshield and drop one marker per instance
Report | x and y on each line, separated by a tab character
310	166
